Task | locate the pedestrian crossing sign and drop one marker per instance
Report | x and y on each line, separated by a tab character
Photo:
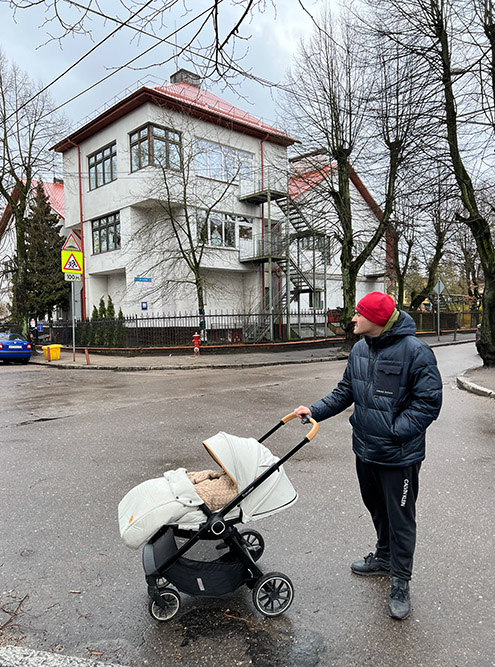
72	261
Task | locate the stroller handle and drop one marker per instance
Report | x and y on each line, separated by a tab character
313	431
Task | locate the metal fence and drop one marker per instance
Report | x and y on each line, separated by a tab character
177	330
224	328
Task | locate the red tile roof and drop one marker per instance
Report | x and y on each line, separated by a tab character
300	184
203	99
184	98
55	194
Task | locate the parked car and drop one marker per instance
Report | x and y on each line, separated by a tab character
14	347
477	338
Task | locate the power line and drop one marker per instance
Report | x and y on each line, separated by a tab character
96	46
165	40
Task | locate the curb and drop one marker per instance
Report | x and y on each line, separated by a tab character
189	367
452	342
14	656
473	388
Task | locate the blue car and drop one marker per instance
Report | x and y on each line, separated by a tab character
14	347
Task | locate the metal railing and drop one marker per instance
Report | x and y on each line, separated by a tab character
263	246
218	328
270	178
215	328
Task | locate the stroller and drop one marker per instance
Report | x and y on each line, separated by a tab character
160	513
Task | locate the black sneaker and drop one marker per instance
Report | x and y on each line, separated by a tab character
399	603
371	565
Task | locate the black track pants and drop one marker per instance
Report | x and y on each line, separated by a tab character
390	496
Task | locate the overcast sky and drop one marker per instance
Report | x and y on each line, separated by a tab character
274	35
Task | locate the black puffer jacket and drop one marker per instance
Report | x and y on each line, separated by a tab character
394	383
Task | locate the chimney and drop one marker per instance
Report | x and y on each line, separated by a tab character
313	161
185	76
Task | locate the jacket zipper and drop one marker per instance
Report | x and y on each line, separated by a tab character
374	356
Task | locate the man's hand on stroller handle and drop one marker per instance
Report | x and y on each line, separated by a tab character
303	413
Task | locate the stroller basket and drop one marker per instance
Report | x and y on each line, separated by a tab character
207	579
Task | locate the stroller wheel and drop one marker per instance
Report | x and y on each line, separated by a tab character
254	542
161	583
171	600
273	594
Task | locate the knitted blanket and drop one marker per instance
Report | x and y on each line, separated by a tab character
214	487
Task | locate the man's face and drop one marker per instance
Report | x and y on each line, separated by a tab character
363	327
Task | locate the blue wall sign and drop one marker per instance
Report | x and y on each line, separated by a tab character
142	279
144	305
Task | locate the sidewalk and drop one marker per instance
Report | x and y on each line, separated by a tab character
478	380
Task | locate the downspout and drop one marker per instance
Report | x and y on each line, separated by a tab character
269	239
263	304
83	299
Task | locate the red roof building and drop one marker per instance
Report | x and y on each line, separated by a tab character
54	192
186	98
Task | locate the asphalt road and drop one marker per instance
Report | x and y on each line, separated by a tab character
73	443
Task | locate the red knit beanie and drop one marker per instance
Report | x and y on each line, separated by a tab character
376	307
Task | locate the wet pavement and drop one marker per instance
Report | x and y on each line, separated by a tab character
478	380
83	439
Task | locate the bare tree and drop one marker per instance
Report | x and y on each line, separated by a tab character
27	131
402	238
359	111
454	46
209	34
434	207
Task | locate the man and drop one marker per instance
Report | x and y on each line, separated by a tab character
393	381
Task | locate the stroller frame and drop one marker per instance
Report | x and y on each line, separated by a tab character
167	572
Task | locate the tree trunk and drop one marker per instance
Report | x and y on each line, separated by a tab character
349	293
475	221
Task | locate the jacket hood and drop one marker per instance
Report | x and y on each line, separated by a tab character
404	326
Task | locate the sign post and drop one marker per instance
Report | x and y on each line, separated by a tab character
72	267
438	289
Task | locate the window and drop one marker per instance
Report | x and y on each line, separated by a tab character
155	145
245	229
106	233
222	162
220	228
316	242
315	300
102	166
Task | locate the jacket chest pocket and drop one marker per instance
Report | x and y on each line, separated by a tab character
387	379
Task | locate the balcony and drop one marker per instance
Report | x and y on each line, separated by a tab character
261	248
258	187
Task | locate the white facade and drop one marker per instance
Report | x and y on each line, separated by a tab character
224	193
130	250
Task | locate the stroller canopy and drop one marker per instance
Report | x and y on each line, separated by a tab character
244	460
172	498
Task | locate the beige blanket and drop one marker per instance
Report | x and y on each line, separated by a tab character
214	487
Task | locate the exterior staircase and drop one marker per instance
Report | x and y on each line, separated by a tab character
258	327
297	218
275	248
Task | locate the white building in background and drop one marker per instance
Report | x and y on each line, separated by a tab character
179	152
121	166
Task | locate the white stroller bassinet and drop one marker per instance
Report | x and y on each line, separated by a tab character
173	498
